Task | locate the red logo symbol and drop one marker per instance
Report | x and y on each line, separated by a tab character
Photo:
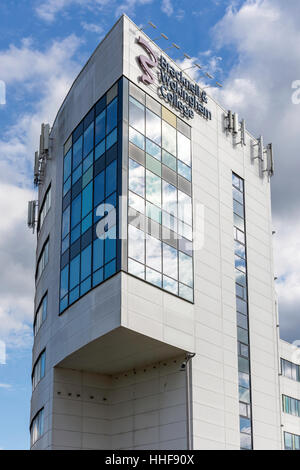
146	63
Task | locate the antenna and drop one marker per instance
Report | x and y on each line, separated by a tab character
162	35
270	160
42	141
229	120
243	132
192	66
31	219
36	165
46	133
150	25
173	45
235	123
260	144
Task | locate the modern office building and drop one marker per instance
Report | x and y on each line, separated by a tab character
155	322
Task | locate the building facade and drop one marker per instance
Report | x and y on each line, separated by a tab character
155	312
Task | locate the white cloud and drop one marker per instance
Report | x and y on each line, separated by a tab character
48	10
265	36
92	27
6	386
167	7
49	74
129	6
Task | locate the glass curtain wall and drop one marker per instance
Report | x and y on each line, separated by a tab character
91	184
160	241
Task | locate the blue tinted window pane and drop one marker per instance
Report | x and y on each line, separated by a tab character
184	170
111	139
97	277
136	138
87	162
67	165
87	222
76	174
43	360
63	304
66	222
76	211
88	142
110	245
110	269
111	201
74	272
65	244
44	312
111	116
67	186
153	149
77	152
111	178
98	254
64	281
74	295
99	189
85	286
75	234
87	199
100	127
100	149
86	262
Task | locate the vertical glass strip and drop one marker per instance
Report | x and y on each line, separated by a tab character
242	312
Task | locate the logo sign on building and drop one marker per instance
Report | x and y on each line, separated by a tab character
181	93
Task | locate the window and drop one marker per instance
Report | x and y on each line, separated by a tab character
291	405
42	261
37	427
160	232
41	314
291	441
290	370
88	235
46	204
242	311
38	370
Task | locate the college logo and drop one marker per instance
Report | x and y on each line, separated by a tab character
147	63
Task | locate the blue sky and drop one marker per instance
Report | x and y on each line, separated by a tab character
251	46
